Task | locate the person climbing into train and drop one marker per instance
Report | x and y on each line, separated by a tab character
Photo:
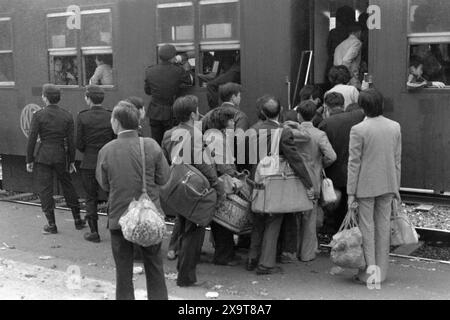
93	132
55	127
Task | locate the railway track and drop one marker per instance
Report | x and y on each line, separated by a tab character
442	237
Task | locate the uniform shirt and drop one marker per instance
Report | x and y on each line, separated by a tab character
163	82
55	128
103	75
93	132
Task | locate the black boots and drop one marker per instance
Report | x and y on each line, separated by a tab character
50	228
92	236
79	223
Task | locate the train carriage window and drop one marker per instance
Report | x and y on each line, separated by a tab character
96	28
175	21
6	53
59	36
64	68
98	68
219	19
429	44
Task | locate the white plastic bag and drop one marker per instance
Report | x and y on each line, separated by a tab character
328	194
142	223
347	251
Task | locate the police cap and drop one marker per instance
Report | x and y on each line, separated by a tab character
167	52
50	89
94	90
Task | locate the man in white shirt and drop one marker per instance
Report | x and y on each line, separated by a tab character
103	73
348	53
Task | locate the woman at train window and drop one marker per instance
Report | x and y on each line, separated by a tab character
220	144
60	75
374	168
416	79
339	77
103	73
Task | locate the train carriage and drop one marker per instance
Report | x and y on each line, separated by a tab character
58	41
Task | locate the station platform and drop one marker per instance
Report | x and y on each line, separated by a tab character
34	266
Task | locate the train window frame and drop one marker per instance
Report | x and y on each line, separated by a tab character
423	38
9	84
198	45
79	50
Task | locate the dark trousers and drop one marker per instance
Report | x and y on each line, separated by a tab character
223	244
153	264
158	128
174	244
287	241
44	179
91	188
191	241
334	219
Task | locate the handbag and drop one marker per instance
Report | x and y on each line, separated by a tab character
328	194
277	188
142	223
403	231
234	214
189	194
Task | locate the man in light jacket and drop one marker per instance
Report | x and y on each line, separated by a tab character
374	169
119	172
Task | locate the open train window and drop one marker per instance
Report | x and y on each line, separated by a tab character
81	57
6	53
429	44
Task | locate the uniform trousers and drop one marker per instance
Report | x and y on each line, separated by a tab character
190	248
122	250
266	229
91	188
375	223
44	179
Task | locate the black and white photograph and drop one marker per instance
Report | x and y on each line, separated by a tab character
235	154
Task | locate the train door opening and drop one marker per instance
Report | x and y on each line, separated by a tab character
332	24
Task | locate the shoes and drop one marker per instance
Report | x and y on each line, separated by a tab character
80	224
357	280
191	284
231	263
261	270
251	264
50	229
171	255
92	237
287	258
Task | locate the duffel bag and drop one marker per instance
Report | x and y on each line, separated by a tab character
189	194
234	214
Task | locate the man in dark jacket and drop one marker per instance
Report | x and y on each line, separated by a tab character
231	75
93	132
337	126
187	237
119	172
55	127
163	82
266	227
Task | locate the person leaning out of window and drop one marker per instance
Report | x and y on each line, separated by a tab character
374	169
103	73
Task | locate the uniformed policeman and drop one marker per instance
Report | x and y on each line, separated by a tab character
162	83
93	132
55	128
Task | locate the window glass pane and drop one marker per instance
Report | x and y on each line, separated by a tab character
5	35
435	61
64	70
98	69
96	30
175	21
6	67
429	16
59	36
219	21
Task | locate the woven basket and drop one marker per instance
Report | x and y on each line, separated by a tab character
235	215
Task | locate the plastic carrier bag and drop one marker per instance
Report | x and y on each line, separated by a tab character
347	250
143	224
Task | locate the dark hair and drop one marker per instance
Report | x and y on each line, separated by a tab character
352	107
106	59
339	75
334	100
415	61
345	15
184	106
354	27
228	90
271	106
52	93
220	117
127	115
259	106
307	110
371	101
311	91
136	101
96	98
53	98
